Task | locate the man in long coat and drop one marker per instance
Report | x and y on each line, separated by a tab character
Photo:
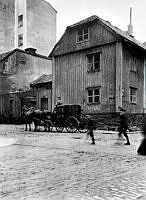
124	125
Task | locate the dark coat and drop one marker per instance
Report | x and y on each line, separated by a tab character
142	148
123	121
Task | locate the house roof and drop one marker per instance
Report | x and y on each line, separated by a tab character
123	35
45	78
5	55
118	31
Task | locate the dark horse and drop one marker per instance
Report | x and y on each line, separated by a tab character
32	115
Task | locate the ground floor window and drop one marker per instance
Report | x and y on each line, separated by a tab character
133	95
93	95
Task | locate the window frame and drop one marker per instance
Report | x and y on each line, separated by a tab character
7	68
93	96
20	21
133	97
91	65
20	43
82	35
133	66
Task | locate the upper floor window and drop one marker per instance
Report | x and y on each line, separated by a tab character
20	40
93	95
133	95
20	21
83	34
93	62
133	66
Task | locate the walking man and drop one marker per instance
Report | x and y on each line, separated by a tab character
123	125
91	127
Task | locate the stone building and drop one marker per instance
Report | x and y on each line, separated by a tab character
18	68
27	23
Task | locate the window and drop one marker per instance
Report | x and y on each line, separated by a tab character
134	64
20	21
82	35
93	95
93	62
133	95
20	40
7	67
133	68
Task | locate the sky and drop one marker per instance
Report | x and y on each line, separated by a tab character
117	12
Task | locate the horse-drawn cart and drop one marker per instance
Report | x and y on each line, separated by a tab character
69	117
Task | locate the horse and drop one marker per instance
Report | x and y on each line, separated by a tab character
37	116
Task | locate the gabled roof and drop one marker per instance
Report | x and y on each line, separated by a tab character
118	31
123	35
45	78
5	55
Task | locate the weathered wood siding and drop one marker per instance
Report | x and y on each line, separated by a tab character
98	35
133	79
10	108
72	79
43	92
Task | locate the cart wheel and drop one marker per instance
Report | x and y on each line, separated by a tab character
71	124
59	125
83	124
48	125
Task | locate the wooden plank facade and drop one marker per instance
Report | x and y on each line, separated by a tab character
42	89
119	80
11	105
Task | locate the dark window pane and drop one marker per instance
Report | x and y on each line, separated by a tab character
80	38
96	99
20	40
90	92
96	92
90	99
85	36
97	66
20	20
97	57
85	30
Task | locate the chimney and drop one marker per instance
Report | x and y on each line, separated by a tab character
30	50
130	27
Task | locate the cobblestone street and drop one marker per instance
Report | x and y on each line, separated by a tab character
57	166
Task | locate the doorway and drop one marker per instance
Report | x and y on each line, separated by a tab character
44	103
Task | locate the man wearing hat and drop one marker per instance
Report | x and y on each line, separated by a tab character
123	125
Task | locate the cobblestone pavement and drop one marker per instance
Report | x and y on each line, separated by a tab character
57	166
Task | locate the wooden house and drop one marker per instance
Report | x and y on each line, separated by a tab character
42	89
100	67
